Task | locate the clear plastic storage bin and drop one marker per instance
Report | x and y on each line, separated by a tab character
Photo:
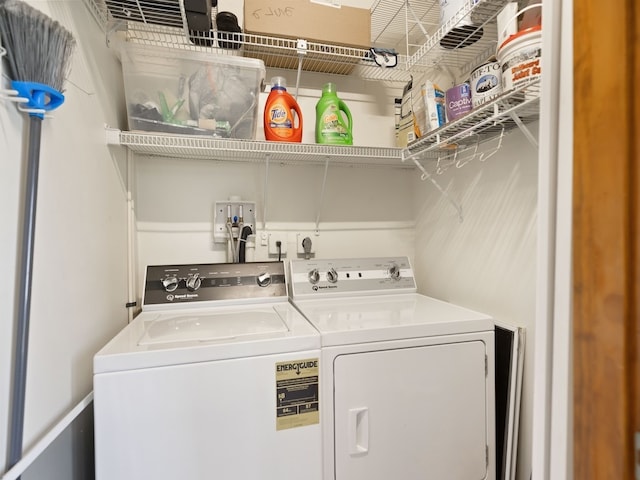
194	93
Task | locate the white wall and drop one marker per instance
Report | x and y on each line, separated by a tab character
364	211
79	286
487	262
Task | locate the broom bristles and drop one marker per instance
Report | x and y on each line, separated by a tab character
38	48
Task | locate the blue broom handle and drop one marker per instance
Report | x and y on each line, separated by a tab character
24	294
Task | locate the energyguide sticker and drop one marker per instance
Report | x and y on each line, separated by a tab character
297	402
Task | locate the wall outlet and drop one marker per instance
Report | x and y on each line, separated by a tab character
308	240
274	238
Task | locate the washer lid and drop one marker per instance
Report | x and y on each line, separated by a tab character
156	339
208	327
344	321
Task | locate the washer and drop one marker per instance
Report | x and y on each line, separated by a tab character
216	378
407	381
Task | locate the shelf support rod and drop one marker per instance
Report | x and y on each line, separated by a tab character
427	176
267	157
324	184
525	131
301	47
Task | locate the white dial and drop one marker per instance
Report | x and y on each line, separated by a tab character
264	279
314	276
394	271
332	275
194	282
170	284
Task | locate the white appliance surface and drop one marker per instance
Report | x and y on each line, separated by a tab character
388	317
225	389
408	383
182	336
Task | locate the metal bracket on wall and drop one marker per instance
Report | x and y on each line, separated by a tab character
406	155
267	157
324	184
525	131
301	48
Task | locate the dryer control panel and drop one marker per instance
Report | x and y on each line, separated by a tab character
207	282
351	276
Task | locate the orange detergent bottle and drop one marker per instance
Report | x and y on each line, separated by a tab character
282	117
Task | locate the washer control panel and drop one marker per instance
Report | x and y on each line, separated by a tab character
346	276
205	282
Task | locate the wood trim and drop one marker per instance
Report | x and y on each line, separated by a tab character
634	188
605	236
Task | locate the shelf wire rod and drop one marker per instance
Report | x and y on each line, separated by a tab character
463	161
483	157
427	176
523	128
417	20
183	15
267	157
301	47
324	185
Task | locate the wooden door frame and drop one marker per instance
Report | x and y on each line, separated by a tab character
606	206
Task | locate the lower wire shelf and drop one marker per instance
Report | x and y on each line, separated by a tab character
492	120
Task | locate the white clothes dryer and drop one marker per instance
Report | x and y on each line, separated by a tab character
216	378
407	384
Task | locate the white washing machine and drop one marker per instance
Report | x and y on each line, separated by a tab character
216	378
407	384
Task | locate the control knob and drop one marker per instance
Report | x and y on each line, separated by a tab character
314	276
332	275
394	272
170	284
264	279
194	282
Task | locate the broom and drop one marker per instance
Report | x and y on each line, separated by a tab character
38	53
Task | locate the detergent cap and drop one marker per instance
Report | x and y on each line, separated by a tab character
329	88
278	82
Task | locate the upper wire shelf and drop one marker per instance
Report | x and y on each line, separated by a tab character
413	31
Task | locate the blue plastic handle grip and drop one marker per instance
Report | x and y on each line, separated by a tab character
39	96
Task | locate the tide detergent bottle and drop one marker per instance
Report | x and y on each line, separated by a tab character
330	119
282	116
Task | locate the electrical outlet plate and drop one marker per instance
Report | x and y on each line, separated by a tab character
273	246
220	233
300	249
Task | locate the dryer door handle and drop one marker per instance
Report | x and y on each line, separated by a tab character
358	431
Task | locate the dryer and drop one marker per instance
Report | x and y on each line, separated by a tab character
216	378
407	384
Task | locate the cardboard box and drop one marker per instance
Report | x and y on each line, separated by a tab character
305	20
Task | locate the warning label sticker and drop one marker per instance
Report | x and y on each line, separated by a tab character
297	402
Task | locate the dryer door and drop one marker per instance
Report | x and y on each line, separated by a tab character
412	413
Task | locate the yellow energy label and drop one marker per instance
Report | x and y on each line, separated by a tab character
297	389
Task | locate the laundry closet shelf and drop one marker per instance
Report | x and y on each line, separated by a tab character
412	30
191	146
513	109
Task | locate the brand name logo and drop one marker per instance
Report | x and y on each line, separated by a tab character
460	103
278	114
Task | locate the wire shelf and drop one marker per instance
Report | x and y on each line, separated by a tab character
493	119
506	112
413	31
197	147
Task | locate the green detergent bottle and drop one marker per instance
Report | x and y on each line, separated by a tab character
331	128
